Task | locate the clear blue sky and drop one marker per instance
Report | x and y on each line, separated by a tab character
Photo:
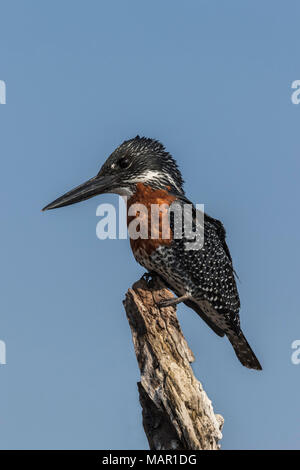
212	81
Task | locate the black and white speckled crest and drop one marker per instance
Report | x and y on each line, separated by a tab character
143	160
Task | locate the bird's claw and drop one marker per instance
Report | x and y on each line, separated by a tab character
173	301
148	277
165	303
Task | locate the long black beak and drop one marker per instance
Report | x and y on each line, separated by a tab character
92	187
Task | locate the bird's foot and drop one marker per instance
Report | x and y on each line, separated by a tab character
173	301
149	277
165	303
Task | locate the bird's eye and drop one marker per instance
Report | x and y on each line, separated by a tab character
124	162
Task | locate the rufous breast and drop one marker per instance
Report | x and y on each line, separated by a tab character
157	228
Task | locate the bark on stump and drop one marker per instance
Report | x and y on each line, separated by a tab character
177	414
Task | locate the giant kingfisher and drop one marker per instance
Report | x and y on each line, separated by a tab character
204	279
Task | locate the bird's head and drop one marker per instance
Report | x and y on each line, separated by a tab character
138	160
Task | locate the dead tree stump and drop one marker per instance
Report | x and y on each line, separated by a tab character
177	414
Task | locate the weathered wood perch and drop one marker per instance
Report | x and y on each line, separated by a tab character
177	414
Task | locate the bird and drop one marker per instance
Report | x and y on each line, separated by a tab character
143	172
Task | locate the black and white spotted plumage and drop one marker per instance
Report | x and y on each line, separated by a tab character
207	275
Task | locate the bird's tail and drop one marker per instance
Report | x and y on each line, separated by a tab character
243	350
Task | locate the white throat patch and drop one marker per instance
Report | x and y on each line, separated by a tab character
151	175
